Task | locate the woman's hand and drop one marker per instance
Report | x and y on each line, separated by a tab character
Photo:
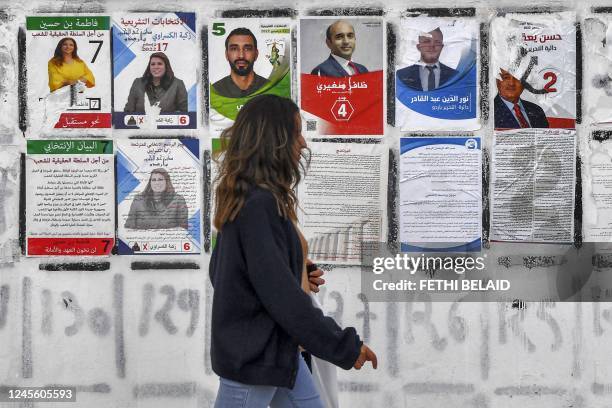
366	355
314	276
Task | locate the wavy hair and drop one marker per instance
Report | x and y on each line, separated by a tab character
166	196
166	80
259	150
58	57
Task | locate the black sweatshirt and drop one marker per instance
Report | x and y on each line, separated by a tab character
260	313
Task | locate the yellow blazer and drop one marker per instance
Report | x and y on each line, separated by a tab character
69	72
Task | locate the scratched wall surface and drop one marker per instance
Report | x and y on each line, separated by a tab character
134	331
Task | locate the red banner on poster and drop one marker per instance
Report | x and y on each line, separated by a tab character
70	246
84	120
351	105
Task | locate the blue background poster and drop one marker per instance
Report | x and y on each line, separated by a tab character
450	46
158	196
137	39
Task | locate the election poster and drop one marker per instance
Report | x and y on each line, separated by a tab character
341	75
155	75
533	62
69	198
158	196
343	201
437	74
597	83
73	90
597	191
247	57
440	194
532	185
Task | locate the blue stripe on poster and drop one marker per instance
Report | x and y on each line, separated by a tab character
188	19
122	55
473	246
192	98
194	226
454	101
193	145
126	182
411	143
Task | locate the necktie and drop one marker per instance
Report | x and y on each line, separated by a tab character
431	79
353	67
519	115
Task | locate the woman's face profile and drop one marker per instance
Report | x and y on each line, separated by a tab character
157	67
158	183
67	47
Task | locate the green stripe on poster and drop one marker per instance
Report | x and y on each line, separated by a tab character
68	23
70	147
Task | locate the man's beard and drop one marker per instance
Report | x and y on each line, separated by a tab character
242	71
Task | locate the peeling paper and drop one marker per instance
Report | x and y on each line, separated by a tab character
532	186
597	73
539	50
597	192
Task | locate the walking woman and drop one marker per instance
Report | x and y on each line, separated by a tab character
261	313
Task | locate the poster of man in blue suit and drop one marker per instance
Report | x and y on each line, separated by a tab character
429	73
436	74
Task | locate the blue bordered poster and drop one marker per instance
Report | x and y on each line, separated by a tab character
440	194
436	75
158	196
155	80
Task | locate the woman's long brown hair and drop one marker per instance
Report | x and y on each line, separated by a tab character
166	196
166	80
259	150
58	57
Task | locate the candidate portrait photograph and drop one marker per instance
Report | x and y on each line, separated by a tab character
429	72
510	110
340	47
241	52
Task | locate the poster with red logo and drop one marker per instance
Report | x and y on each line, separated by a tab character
437	74
68	73
534	69
69	197
341	75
